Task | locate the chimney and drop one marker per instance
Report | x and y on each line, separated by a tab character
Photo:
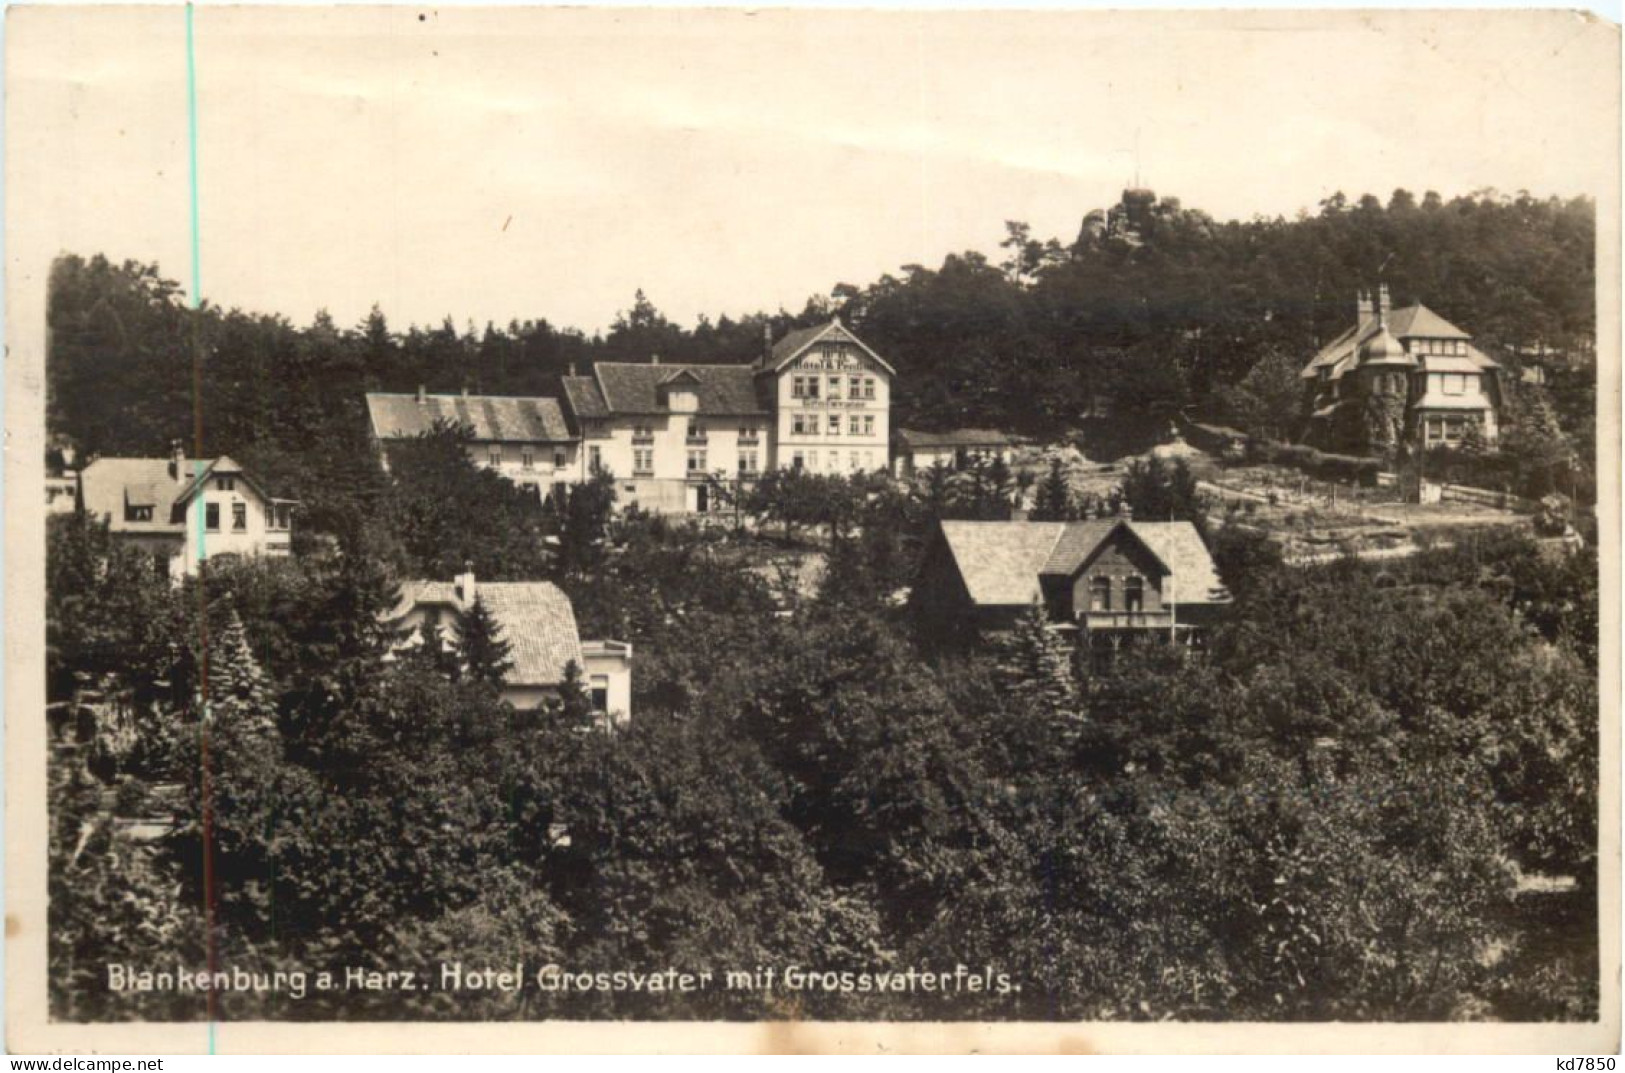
465	584
654	359
1126	511
1089	510
1365	312
422	398
1382	304
177	460
570	369
465	391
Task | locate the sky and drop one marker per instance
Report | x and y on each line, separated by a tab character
502	164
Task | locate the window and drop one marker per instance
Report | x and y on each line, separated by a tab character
812	461
527	458
558	459
868	424
834	424
812	387
854	461
1134	594
600	693
595	458
1100	594
853	425
225	484
643	462
747	462
642	434
834	387
798	387
1454	427
138	514
239	517
284	516
747	433
798	461
798	424
1454	383
495	456
696	462
1435	429
696	430
868	387
211	517
855	386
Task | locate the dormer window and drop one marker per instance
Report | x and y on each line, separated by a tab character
137	514
224	484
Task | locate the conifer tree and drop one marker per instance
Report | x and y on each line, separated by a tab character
483	652
1054	500
1035	665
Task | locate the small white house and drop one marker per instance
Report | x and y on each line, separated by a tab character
186	511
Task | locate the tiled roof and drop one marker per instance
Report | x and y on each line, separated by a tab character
535	618
794	342
491	418
721	390
1412	322
112	483
1076	544
581	394
1180	547
147	482
1420	322
962	437
1000	561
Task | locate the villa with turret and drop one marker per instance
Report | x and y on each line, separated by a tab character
1400	377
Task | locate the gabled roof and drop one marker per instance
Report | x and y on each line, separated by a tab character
1412	322
634	388
960	437
491	418
222	466
1001	562
1180	547
786	349
581	394
535	619
110	484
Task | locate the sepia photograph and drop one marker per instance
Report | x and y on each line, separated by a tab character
617	522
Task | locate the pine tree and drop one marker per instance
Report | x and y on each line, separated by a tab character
575	704
1054	500
483	652
1035	665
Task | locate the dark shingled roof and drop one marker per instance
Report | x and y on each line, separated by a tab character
491	418
535	618
721	390
581	394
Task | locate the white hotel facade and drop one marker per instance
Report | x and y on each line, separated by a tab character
818	399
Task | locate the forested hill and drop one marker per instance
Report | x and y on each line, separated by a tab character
1152	303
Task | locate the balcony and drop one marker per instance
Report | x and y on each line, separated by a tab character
1127	620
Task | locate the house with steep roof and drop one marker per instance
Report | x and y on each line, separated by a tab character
529	440
185	511
1400	376
537	621
818	399
1111	579
913	450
